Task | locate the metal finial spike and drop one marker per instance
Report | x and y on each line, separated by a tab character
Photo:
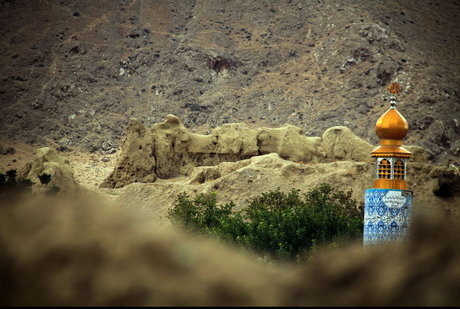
393	101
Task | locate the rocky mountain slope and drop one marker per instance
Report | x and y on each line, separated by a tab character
73	72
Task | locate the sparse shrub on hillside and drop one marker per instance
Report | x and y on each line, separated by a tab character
275	224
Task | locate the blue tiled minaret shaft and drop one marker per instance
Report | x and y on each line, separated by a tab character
386	215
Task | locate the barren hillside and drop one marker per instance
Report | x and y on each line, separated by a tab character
74	72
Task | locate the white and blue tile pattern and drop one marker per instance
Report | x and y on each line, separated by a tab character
386	215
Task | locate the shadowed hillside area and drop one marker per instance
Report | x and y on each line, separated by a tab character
74	72
217	152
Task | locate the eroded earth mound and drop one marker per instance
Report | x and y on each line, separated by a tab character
49	171
168	149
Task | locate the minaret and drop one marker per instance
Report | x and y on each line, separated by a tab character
388	205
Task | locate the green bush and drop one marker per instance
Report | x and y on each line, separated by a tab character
276	224
201	214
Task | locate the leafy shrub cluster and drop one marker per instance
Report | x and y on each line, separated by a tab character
276	224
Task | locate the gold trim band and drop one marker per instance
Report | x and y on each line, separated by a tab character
390	142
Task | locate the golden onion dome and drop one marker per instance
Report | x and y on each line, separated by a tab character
392	125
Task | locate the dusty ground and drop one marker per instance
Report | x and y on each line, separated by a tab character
87	253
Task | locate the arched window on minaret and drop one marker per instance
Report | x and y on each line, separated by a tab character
399	172
385	169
